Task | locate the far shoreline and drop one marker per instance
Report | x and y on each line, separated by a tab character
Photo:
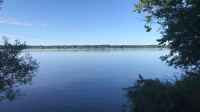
92	46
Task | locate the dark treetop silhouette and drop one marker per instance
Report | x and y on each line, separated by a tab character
179	22
15	70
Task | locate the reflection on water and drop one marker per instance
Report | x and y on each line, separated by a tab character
97	50
15	71
86	80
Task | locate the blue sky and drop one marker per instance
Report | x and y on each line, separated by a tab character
74	22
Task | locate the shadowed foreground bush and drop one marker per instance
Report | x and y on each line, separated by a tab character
153	95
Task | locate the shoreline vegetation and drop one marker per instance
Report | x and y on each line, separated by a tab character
156	95
179	22
92	46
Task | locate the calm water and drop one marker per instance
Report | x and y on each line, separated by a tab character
86	80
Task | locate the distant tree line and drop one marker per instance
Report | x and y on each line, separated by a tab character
92	46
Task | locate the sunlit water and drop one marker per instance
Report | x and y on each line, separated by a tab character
86	80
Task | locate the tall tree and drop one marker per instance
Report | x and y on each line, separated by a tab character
179	22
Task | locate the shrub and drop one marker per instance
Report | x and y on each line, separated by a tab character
154	95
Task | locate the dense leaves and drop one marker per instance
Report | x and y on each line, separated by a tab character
14	69
153	95
180	28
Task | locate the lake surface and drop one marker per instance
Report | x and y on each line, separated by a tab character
86	80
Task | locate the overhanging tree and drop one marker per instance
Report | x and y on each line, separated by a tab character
15	69
179	22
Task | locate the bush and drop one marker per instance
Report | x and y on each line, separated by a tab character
153	95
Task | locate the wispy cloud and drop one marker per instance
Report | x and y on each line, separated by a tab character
17	35
9	21
14	22
35	25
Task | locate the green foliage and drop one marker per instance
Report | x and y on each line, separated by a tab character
180	28
179	22
148	95
15	69
153	95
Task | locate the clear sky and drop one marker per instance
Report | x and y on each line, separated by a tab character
74	22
